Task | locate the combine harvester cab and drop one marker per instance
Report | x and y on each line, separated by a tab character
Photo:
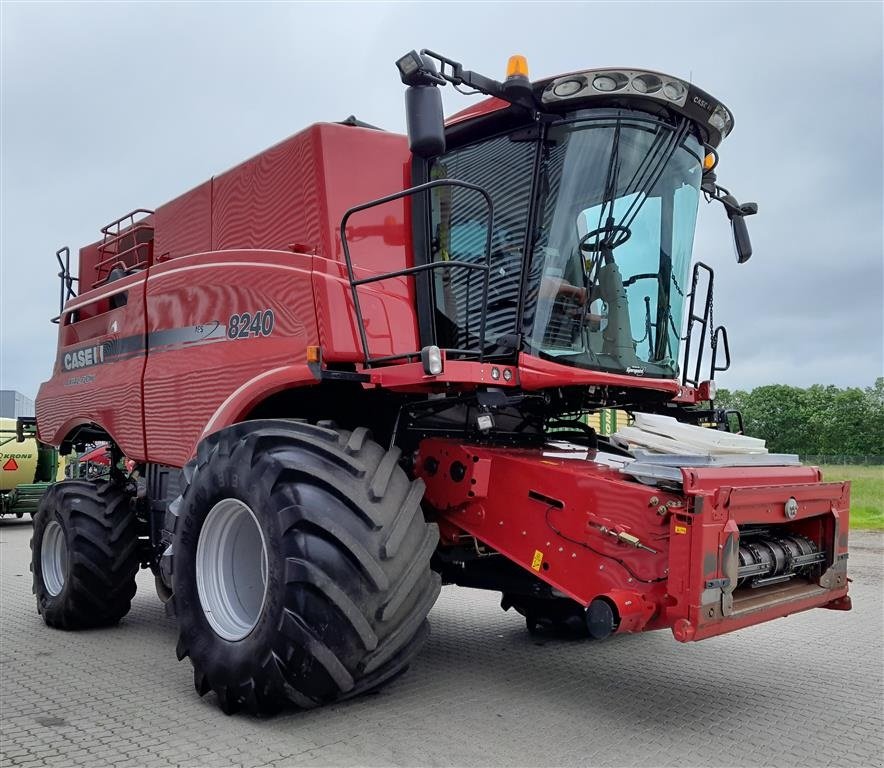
360	365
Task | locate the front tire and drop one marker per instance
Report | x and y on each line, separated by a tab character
84	554
299	565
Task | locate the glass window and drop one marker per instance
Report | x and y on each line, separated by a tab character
459	219
611	256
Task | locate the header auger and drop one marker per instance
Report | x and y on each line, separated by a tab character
357	366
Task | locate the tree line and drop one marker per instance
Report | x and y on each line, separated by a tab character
814	420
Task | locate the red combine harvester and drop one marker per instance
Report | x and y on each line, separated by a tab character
335	406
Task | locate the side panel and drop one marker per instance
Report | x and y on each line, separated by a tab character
184	225
274	200
221	327
97	374
360	165
387	310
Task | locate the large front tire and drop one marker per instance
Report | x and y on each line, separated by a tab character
299	564
84	554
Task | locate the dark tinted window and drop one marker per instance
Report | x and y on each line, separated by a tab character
459	225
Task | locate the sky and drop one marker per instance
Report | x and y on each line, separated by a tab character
109	107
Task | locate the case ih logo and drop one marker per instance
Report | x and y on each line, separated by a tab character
82	358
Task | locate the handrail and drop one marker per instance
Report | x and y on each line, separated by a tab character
719	336
105	230
66	280
355	283
703	320
114	233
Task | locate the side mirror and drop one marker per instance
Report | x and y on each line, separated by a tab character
742	243
737	214
425	121
423	104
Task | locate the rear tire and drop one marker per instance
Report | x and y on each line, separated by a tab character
84	554
299	565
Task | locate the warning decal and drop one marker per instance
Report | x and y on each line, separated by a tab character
11	465
537	561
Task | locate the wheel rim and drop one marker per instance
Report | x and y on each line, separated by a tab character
53	558
231	569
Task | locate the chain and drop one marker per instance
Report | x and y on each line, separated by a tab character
711	320
677	286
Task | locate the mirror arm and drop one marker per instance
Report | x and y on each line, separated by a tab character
454	73
731	206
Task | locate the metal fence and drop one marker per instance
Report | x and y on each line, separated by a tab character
838	460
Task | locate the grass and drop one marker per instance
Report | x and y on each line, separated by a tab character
866	493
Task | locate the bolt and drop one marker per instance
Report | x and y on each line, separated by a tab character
561	549
601	567
501	522
653	501
524	533
573	555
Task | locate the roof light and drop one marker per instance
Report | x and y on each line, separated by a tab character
709	161
647	83
610	81
720	119
517	66
409	64
605	87
674	90
569	87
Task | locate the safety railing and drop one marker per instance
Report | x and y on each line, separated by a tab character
702	321
355	282
66	280
719	341
126	243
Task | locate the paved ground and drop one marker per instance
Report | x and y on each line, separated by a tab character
802	691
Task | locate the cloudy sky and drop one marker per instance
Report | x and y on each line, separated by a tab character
109	107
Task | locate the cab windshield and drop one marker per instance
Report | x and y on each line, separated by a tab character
612	251
604	205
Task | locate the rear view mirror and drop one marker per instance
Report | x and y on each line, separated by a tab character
742	243
737	213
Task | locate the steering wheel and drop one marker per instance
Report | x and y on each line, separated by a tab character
617	234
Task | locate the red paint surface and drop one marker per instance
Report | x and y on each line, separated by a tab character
521	502
108	395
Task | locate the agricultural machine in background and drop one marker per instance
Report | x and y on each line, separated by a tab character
359	366
27	467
